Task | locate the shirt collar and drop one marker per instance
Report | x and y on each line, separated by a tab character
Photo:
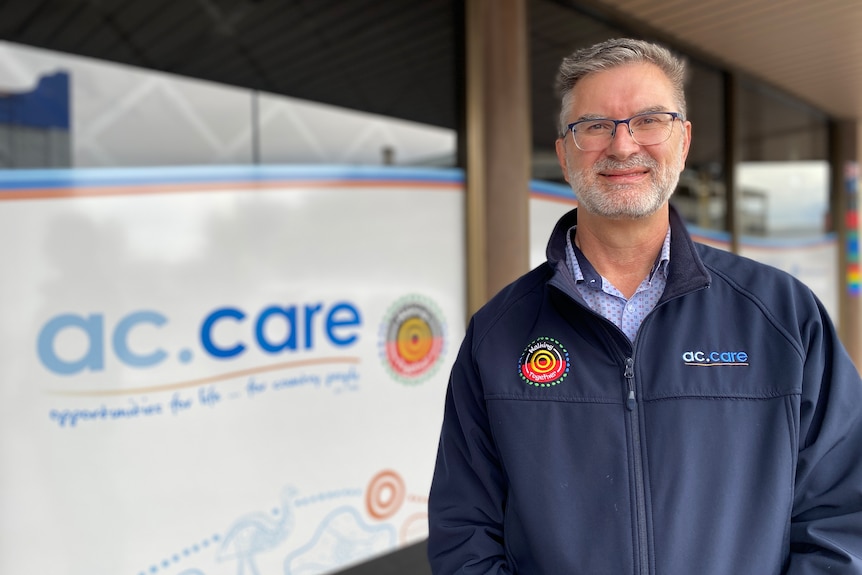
584	272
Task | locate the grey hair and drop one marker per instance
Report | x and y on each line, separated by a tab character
610	54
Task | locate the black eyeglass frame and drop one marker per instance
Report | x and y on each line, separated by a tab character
675	115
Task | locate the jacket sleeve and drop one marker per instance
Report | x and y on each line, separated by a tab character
468	493
826	523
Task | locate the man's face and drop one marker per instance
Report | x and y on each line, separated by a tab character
624	180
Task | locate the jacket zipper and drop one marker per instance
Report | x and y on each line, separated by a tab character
634	419
640	496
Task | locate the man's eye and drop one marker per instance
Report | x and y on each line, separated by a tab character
597	127
646	121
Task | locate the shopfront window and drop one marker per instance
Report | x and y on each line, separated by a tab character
782	181
701	194
783	174
59	110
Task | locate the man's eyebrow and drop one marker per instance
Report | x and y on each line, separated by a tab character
591	117
653	109
647	110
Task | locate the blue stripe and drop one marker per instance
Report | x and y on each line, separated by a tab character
552	189
91	177
764	242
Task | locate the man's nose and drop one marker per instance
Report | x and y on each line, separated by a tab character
622	142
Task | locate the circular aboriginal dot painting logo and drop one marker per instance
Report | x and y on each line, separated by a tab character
544	363
412	339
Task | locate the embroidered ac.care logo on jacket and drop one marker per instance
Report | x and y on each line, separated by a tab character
544	363
715	358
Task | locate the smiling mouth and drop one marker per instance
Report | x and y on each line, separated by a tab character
623	175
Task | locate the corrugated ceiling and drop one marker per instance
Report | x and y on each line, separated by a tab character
812	49
381	56
400	57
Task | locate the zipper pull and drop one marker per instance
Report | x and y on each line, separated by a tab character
630	376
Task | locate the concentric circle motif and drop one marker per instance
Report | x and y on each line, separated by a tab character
412	339
544	363
385	494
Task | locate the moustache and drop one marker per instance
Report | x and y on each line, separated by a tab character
636	161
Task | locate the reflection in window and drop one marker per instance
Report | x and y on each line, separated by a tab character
701	196
784	199
783	175
122	116
783	189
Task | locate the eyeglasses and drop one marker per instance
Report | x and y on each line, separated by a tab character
646	129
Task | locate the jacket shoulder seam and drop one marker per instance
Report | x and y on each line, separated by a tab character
764	309
526	290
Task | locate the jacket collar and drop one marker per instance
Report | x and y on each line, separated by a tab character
686	271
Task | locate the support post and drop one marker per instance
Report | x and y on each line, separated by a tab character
498	145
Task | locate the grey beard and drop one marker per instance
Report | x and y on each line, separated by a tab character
614	201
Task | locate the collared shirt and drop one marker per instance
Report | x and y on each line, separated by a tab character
603	298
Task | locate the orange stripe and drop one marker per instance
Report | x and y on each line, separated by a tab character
211	379
553	198
146	189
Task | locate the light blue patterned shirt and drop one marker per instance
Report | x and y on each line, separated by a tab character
603	298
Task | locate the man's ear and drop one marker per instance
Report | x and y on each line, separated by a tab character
561	157
687	134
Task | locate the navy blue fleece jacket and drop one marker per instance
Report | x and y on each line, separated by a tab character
726	440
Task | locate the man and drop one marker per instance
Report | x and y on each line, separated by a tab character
641	404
